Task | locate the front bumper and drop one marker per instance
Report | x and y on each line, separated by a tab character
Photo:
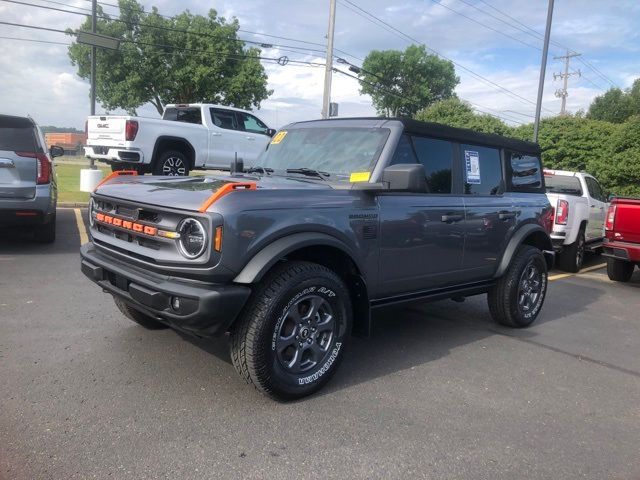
205	309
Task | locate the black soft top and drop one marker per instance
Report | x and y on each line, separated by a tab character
437	130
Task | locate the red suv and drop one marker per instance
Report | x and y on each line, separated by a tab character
622	242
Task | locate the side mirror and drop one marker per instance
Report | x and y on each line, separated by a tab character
406	177
56	151
271	132
611	197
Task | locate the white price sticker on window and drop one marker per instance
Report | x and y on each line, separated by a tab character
472	164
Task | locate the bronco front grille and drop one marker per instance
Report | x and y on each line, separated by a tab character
139	232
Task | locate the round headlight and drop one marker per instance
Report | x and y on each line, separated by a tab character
92	212
193	238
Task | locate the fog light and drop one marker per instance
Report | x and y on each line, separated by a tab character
175	303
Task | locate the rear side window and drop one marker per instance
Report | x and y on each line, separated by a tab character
482	170
224	119
525	172
595	190
437	158
562	184
18	138
186	115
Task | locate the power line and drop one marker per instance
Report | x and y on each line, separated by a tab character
181	49
288	48
557	44
251	33
35	41
437	2
405	36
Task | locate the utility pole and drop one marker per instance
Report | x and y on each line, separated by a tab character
543	69
562	92
328	69
94	20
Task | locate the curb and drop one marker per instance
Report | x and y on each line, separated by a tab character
73	205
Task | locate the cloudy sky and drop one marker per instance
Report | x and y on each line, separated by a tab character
37	79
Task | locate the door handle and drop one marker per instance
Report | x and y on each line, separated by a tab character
250	138
506	215
451	218
216	134
6	163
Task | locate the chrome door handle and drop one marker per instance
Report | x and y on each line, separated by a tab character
6	163
250	138
216	134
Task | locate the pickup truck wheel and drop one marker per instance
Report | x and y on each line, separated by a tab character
516	300
137	316
619	270
291	337
571	258
171	163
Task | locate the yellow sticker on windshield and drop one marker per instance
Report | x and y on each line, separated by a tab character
278	137
360	177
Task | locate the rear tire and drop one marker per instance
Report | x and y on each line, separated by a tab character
140	318
619	270
46	233
572	257
517	298
171	163
291	336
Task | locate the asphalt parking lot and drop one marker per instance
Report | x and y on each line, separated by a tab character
439	391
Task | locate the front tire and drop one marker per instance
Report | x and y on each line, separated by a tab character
291	337
140	318
171	163
517	298
619	270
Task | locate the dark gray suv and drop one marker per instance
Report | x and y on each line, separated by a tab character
339	218
28	191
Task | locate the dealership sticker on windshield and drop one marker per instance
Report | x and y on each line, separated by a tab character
472	163
360	177
278	137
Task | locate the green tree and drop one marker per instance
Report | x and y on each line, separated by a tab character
158	63
571	142
401	83
458	113
620	171
614	106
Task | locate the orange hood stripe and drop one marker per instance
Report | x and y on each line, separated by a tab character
224	190
117	173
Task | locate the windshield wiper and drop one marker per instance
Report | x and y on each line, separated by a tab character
259	169
310	172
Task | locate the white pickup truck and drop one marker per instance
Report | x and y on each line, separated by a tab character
188	137
580	209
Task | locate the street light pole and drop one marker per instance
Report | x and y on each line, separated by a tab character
94	16
328	69
543	69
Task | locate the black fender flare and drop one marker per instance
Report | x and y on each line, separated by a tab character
186	142
518	239
262	261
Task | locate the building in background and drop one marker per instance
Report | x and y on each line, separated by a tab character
71	142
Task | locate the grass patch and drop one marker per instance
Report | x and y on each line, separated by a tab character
69	183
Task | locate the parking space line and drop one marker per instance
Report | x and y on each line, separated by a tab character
584	270
82	230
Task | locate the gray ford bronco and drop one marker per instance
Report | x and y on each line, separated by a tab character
339	217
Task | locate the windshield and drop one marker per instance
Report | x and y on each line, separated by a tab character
335	150
563	184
